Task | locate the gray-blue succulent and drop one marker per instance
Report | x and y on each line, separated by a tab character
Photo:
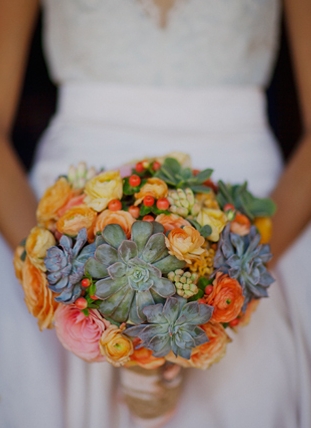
65	266
130	272
174	326
244	258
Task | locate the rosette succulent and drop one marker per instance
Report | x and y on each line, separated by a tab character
65	266
244	258
174	326
130	272
183	202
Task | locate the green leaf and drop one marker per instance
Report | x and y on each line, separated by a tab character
200	188
197	296
206	231
172	164
203	175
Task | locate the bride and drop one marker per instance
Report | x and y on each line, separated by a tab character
142	78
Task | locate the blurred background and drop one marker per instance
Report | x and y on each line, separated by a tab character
38	101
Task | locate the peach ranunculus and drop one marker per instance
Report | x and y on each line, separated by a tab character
102	189
75	219
38	297
245	317
240	225
226	298
75	201
171	221
264	226
203	356
214	218
154	187
18	262
185	244
143	357
54	198
115	346
80	333
122	218
38	242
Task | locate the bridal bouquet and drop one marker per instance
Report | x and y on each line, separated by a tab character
147	268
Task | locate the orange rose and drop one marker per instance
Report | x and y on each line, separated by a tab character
171	221
38	242
143	357
154	187
38	297
226	298
75	219
53	199
264	226
19	263
185	244
203	356
122	218
115	346
240	225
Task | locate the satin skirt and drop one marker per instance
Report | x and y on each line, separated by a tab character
264	380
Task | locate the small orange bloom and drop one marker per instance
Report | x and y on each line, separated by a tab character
264	226
241	225
19	263
75	219
226	298
122	218
143	357
38	297
154	187
54	198
185	244
171	221
115	346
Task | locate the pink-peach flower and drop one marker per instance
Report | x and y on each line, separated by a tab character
80	333
122	218
75	201
171	221
75	219
240	225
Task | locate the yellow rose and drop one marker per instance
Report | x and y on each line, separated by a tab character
115	346
214	218
154	187
102	189
185	244
75	219
264	226
122	218
38	297
38	242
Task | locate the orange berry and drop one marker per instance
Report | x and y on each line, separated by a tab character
114	205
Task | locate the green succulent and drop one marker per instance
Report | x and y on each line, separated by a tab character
130	271
176	176
183	202
244	258
174	326
185	282
244	201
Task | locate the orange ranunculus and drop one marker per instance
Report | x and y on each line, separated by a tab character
203	356
214	218
54	198
240	225
19	263
143	357
264	226
171	221
244	317
226	298
38	242
75	219
38	297
185	244
102	189
115	346
154	187
122	218
75	201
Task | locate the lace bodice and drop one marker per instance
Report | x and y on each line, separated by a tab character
191	43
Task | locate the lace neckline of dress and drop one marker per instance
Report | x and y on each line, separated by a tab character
159	10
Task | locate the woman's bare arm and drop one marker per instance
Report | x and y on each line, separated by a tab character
293	192
17	201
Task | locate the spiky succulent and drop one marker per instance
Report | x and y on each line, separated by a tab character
173	326
244	258
80	174
65	266
131	271
185	282
183	202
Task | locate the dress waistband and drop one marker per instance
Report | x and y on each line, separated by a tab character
225	108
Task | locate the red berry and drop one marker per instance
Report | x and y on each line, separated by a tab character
211	184
93	297
228	207
114	205
134	180
208	289
139	167
163	204
85	282
81	303
148	201
234	322
134	211
148	218
156	165
195	171
201	301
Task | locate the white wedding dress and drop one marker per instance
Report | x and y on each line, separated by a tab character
134	82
